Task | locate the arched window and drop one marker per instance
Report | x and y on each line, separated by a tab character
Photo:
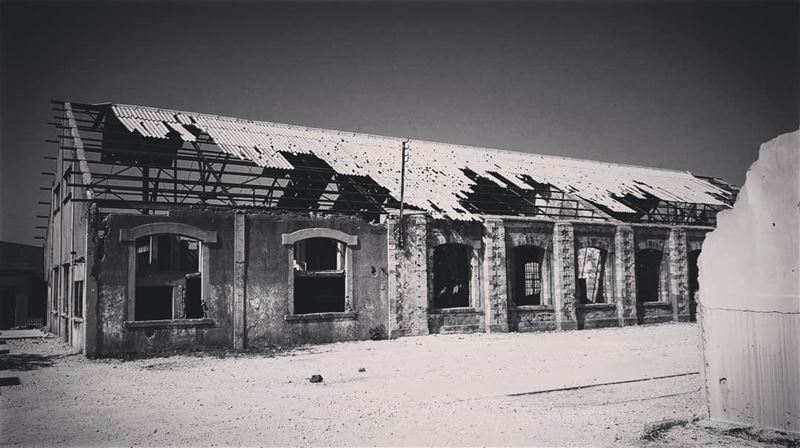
319	276
529	276
591	267
451	275
168	278
321	261
650	276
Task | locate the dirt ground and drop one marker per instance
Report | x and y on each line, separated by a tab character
436	390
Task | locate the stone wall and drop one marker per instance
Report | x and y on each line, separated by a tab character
408	275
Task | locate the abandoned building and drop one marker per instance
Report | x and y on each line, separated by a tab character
172	230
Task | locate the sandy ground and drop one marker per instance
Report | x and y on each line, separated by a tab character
434	390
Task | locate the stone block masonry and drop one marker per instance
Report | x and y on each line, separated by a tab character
678	274
408	276
625	277
564	276
494	271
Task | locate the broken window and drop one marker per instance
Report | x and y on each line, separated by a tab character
168	278
319	276
451	275
77	297
649	268
591	264
694	284
528	275
65	292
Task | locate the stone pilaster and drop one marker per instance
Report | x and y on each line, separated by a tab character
564	276
625	275
408	276
239	268
495	292
678	274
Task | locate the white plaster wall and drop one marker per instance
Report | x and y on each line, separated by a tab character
752	260
750	297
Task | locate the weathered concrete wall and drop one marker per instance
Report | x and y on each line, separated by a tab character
564	276
66	249
112	277
248	297
495	290
268	316
531	317
408	275
678	274
625	275
750	296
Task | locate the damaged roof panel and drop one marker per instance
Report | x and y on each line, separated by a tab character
435	178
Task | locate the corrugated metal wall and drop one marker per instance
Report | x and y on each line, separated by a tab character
752	367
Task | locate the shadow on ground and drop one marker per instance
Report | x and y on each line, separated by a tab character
26	361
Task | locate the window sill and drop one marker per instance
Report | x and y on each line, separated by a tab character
320	317
597	305
168	323
656	304
459	310
534	308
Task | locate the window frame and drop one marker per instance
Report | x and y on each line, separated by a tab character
474	264
662	275
607	270
545	268
129	237
350	242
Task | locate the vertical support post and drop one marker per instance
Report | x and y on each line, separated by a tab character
495	291
92	241
402	191
564	276
239	268
678	273
625	278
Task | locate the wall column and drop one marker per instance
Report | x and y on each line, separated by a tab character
239	266
408	276
495	292
90	324
678	274
625	275
564	276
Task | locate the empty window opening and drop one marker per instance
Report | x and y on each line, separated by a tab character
694	282
451	275
528	275
591	263
319	276
648	275
168	278
77	297
65	292
54	290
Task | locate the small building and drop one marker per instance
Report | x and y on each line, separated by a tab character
172	230
22	286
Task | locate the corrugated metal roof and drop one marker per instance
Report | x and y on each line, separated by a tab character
435	180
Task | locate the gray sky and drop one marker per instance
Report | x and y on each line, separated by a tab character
684	85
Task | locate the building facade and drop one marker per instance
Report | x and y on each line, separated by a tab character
178	231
